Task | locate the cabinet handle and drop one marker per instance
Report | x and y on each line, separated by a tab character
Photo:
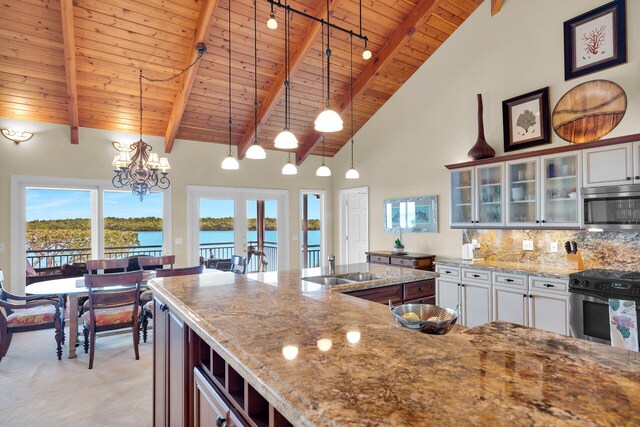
628	178
637	177
475	275
537	221
163	307
220	422
508	280
530	296
462	285
543	221
420	289
448	272
548	285
524	295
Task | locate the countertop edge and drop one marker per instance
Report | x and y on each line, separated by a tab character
513	269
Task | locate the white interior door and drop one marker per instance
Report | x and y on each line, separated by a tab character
355	235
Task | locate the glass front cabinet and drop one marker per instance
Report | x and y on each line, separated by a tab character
477	195
523	206
561	182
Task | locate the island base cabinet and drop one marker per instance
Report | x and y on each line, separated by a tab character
476	304
510	305
160	335
549	312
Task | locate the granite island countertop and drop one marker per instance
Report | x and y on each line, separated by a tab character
377	373
510	267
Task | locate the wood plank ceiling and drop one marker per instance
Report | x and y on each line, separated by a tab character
42	80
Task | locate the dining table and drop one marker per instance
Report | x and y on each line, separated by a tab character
74	287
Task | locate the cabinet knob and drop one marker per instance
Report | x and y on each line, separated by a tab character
524	295
537	221
530	296
628	178
420	289
220	422
462	285
163	307
543	221
637	177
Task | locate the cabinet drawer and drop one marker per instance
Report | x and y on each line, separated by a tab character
548	285
379	259
381	295
511	280
478	276
427	300
406	262
421	289
445	270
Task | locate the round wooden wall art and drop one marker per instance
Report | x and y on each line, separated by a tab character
589	111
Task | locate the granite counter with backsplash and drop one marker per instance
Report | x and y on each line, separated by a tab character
352	365
509	267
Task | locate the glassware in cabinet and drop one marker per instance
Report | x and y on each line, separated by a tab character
489	195
560	185
462	197
522	192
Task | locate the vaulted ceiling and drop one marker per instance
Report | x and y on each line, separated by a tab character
76	62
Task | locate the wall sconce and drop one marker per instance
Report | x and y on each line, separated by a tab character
17	136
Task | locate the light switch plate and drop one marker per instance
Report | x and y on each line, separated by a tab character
553	247
475	243
527	245
178	240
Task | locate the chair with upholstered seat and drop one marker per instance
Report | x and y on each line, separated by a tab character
238	264
147	311
34	314
111	308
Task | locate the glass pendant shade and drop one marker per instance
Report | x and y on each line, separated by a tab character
352	174
323	171
328	121
366	54
230	163
289	169
256	152
286	140
272	24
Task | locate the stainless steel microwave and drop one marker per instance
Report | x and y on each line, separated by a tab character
612	208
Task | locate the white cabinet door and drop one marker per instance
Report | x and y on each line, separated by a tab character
447	293
476	304
510	305
522	198
609	165
636	162
462	209
561	182
489	195
549	312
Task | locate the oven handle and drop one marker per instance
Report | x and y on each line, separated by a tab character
590	293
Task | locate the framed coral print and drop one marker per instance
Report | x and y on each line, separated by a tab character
525	120
595	40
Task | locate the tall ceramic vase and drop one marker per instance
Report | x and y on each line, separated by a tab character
481	149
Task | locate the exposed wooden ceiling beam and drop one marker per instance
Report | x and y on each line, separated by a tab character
496	5
270	102
399	39
66	7
200	36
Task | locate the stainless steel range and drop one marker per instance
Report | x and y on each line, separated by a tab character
589	302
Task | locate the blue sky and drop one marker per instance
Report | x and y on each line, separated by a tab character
63	204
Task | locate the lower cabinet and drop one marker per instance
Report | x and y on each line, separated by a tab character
209	407
510	305
476	304
420	292
447	293
549	312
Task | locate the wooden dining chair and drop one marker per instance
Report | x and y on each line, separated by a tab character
238	264
30	313
156	262
119	265
111	308
147	310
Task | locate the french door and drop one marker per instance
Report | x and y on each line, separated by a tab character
239	221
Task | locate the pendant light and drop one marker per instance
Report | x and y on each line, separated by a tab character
255	152
323	170
352	173
328	120
289	168
286	140
272	24
230	162
366	53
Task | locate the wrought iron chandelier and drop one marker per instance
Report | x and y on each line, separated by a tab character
144	170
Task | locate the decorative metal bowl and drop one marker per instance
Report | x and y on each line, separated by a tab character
427	318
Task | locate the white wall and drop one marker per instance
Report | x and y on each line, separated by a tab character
50	154
431	120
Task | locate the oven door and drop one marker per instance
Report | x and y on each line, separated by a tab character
589	317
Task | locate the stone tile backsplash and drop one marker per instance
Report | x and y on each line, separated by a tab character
611	249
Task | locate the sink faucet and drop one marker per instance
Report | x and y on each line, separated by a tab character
332	264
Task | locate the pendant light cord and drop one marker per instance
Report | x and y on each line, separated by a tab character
328	59
351	94
287	83
322	67
230	122
255	69
140	82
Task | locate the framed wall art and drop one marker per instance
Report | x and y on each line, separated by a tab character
525	120
417	214
595	40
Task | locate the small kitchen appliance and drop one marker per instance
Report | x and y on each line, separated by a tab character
467	252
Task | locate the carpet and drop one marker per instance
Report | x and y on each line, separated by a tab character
38	390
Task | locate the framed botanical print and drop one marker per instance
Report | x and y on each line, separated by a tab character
525	120
595	40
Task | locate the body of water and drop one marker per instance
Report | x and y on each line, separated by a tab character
154	238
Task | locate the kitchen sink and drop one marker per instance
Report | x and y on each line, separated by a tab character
359	277
342	279
327	280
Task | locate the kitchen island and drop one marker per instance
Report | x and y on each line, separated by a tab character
278	350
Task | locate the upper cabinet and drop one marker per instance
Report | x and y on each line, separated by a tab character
561	183
611	165
477	197
523	188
